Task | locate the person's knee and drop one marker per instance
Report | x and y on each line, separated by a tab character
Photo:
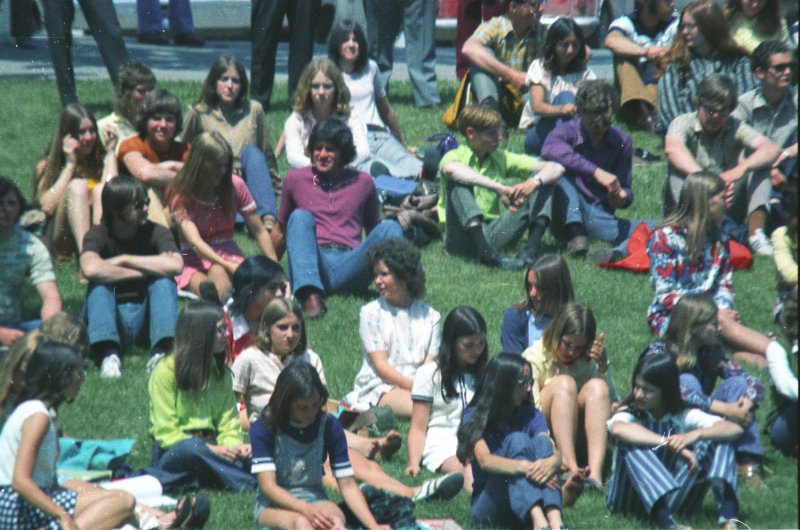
595	389
390	229
300	219
690	381
735	386
564	385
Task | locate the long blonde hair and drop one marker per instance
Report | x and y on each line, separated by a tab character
690	314
691	212
302	95
209	152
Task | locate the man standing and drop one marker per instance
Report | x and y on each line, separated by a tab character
103	23
130	263
501	49
324	208
491	196
418	19
266	26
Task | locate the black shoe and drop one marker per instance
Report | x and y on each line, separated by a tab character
189	39
604	255
153	37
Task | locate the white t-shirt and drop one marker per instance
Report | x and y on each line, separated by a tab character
445	416
365	87
626	26
44	469
255	373
407	335
553	86
687	420
298	127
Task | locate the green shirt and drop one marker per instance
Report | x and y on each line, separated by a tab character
501	166
173	412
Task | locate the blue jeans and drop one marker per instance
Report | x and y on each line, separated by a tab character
783	430
107	319
148	14
331	270
536	135
729	391
506	501
191	464
255	173
386	149
569	206
418	18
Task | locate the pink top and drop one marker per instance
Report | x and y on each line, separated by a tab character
210	218
342	207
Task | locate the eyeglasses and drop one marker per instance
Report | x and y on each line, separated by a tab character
715	112
141	203
780	68
322	86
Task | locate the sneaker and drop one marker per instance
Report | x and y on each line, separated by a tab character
111	367
156	356
444	487
578	246
760	243
502	261
604	255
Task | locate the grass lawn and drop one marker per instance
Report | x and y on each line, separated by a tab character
113	409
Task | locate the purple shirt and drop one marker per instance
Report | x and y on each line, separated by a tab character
569	145
341	207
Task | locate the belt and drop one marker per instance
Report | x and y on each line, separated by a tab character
373	127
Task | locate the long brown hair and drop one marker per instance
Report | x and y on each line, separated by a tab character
712	24
69	123
768	20
194	340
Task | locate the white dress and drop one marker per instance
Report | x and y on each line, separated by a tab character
445	416
407	335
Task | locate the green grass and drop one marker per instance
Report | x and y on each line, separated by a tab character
107	409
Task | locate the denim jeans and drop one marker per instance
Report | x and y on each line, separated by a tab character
255	173
536	135
386	149
331	270
569	206
506	501
148	15
125	322
191	464
729	391
783	430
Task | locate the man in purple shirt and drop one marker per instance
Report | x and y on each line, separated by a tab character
324	208
597	180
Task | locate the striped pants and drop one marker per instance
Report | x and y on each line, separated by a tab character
642	475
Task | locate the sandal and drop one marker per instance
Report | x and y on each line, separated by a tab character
394	440
192	512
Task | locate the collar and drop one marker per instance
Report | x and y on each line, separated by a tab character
239	327
759	101
697	127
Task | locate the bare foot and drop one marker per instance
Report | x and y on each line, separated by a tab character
573	486
387	446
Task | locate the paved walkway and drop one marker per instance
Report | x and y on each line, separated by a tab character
180	63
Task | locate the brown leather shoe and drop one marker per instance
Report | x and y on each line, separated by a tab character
314	306
751	473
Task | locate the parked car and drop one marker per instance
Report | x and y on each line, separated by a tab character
593	16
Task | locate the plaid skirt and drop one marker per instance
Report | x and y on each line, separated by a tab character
18	514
